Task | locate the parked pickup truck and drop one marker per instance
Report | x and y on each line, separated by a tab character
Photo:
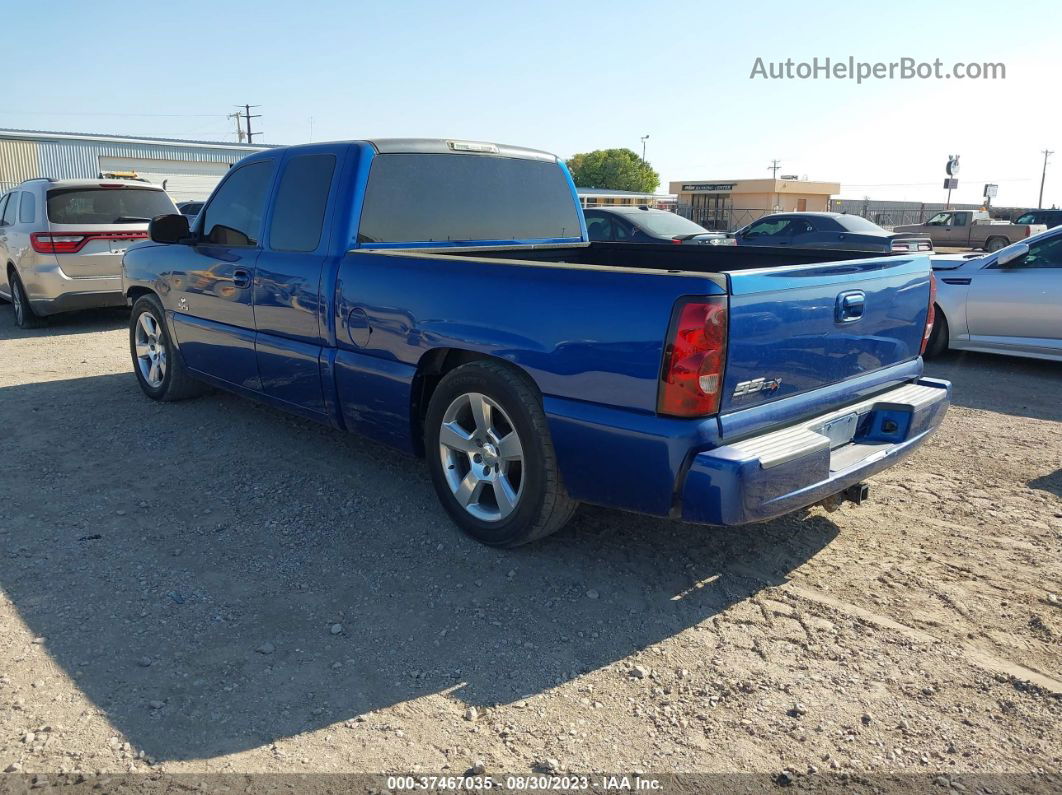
971	229
441	297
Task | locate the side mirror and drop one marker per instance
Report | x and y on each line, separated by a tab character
169	228
1012	254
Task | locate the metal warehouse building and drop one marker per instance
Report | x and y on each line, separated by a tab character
187	169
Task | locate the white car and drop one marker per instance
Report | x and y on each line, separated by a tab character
1007	302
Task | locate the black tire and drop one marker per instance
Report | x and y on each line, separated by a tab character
938	338
175	382
995	244
542	505
25	317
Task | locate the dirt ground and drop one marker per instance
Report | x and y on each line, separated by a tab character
213	586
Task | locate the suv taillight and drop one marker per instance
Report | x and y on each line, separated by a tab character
692	376
931	315
48	243
73	242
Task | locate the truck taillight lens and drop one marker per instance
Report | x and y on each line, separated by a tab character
692	376
931	315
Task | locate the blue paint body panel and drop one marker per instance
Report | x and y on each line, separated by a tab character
341	335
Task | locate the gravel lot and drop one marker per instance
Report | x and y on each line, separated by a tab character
215	586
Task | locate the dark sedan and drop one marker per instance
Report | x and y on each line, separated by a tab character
645	225
829	231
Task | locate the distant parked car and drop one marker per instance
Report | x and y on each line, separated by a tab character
829	231
645	225
971	229
191	209
1006	302
1049	218
62	241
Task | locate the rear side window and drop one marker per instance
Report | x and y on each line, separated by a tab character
234	215
298	215
457	197
11	210
27	212
121	205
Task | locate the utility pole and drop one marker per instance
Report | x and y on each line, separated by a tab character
773	168
644	139
1043	176
239	128
247	115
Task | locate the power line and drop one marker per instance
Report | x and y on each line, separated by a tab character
107	113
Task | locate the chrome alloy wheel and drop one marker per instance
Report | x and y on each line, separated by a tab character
150	350
482	457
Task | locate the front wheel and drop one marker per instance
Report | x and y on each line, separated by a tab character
158	366
491	457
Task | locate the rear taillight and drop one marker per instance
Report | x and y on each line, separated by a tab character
692	376
677	241
73	242
900	246
931	315
46	243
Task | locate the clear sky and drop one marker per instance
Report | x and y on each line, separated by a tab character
569	77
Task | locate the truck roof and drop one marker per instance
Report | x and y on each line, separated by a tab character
445	146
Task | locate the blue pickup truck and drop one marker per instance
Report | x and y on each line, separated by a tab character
441	297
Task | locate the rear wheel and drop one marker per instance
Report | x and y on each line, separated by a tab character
25	317
491	456
938	338
158	366
995	244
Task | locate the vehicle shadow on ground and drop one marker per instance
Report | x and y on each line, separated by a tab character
1004	384
186	563
1052	483
84	322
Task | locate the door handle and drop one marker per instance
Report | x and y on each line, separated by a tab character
241	277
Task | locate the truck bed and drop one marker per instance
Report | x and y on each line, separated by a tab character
694	259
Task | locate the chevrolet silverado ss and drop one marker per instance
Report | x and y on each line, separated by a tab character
441	297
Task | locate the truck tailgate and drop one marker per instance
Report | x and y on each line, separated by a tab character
798	328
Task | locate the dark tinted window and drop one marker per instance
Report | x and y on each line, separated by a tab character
853	223
234	215
11	210
27	212
598	227
429	197
301	200
107	205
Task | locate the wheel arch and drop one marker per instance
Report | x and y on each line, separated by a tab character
431	369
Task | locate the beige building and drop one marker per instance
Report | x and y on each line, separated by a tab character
729	204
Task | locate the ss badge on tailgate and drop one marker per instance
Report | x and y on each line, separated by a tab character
767	386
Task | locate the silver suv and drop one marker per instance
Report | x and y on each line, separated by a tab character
62	241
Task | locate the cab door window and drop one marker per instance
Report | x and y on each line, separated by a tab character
234	215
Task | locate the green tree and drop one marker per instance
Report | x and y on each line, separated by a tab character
614	169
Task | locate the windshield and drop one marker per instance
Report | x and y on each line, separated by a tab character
465	198
124	205
658	222
853	223
1028	218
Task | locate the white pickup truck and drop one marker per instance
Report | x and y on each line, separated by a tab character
972	229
